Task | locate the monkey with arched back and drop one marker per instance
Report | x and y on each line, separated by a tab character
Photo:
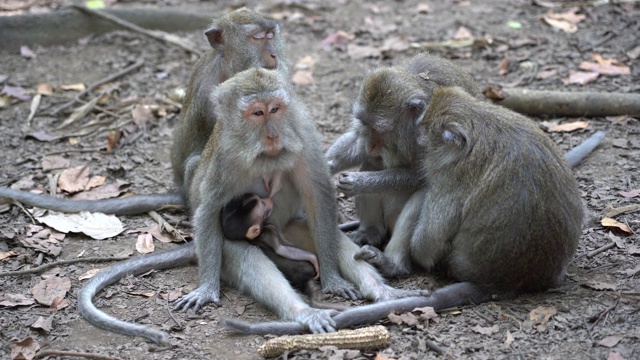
263	131
499	212
239	40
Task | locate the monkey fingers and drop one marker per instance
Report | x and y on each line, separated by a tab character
341	287
377	258
196	299
349	183
317	321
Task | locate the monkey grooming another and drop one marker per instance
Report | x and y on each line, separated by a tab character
499	211
382	140
262	131
239	40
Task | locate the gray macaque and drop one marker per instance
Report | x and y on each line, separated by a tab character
499	212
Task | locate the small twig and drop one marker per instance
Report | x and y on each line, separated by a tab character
588	330
601	249
44	353
433	346
110	78
19	204
74	151
171	314
605	312
158	35
59	263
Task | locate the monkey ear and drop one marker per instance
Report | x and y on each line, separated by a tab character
253	232
454	134
214	35
416	107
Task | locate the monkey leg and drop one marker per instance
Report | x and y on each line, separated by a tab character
396	259
366	277
372	230
248	269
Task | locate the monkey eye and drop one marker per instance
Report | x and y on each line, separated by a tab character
258	113
260	35
274	109
270	35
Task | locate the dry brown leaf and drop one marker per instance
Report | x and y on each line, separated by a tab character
611	341
568	127
43	240
509	340
462	34
422	9
8	254
58	303
395	43
144	243
142	114
303	78
44	89
75	179
504	66
605	66
615	356
24	349
51	162
580	77
154	230
338	40
630	194
95	181
427	313
612	223
26	52
171	295
96	225
75	87
43	324
240	309
11	300
111	190
89	274
48	289
564	21
306	63
486	330
382	357
599	285
406	318
145	293
542	314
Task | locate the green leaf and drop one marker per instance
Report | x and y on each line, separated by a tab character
514	25
94	4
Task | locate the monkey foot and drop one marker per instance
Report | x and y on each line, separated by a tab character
367	236
341	287
316	320
377	258
197	298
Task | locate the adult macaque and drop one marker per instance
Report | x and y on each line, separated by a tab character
262	130
240	40
500	212
382	140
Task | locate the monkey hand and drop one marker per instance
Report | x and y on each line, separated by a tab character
377	258
367	236
339	286
197	298
352	183
316	320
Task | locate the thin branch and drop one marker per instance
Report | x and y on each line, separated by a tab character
45	353
605	312
138	64
59	263
601	249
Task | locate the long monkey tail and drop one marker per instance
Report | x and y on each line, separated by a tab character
168	259
453	295
137	204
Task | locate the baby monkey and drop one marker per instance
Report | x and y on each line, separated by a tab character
246	218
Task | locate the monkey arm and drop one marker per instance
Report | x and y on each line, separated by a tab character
138	204
345	153
273	238
389	180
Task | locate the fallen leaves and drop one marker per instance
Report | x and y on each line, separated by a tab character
74	179
304	72
48	290
43	240
415	317
96	225
611	341
541	316
605	66
486	330
24	349
569	127
11	300
564	21
612	223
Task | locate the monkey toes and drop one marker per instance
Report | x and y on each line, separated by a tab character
316	320
340	287
196	299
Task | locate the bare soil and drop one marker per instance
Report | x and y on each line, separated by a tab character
600	298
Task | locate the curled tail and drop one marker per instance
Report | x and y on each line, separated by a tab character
137	204
580	152
453	295
172	258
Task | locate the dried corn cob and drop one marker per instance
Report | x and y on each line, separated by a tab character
368	337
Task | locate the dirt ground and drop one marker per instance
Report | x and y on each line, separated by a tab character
595	315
